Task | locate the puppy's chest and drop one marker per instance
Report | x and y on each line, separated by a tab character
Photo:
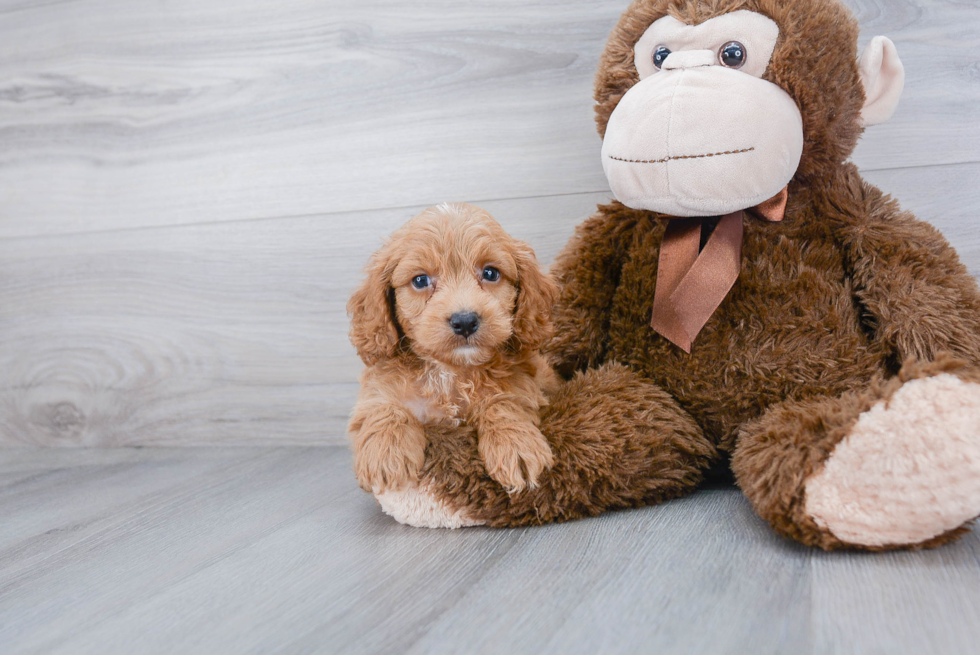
440	396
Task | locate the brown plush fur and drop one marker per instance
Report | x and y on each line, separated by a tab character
420	372
658	453
828	304
812	313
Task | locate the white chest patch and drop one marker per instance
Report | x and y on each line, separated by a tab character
424	410
440	397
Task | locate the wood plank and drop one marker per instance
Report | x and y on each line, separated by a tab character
590	586
140	545
218	333
118	115
680	578
925	602
126	115
41	519
279	551
236	333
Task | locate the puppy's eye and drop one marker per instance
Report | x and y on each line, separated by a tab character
732	55
490	274
659	55
420	281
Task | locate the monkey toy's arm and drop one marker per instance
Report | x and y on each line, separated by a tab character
588	271
919	297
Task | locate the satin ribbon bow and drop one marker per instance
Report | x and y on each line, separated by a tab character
691	285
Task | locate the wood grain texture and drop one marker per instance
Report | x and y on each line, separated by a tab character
258	550
123	114
116	114
901	602
215	333
236	333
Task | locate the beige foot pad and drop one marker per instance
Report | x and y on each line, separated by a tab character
908	471
419	507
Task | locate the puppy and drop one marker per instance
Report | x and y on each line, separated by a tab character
449	322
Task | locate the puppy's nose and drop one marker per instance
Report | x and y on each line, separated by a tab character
464	323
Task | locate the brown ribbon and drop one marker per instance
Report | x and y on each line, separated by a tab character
691	285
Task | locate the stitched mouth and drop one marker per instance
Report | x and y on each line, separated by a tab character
667	159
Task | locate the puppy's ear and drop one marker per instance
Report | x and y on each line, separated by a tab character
373	330
536	295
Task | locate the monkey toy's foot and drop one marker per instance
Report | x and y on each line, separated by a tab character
909	471
895	466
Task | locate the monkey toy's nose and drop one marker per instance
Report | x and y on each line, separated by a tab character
464	323
690	59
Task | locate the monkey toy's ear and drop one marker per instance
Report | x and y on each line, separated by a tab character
883	78
373	330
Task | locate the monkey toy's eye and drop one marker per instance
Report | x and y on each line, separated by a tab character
420	281
490	274
732	55
659	55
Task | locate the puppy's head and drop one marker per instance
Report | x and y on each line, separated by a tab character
453	287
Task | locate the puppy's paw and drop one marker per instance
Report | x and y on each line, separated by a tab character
388	461
515	455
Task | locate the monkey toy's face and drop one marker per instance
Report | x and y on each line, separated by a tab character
710	112
702	133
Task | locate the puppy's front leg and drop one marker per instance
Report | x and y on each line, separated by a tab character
513	449
388	444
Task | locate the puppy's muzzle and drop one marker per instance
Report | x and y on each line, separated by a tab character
464	323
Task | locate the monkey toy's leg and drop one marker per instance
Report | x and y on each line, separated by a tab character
896	465
618	441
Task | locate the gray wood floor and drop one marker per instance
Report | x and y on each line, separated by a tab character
189	190
216	550
240	550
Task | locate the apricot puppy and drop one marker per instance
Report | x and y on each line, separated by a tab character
449	322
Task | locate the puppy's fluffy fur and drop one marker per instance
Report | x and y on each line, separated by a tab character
421	371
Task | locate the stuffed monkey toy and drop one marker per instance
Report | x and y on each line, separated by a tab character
747	296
